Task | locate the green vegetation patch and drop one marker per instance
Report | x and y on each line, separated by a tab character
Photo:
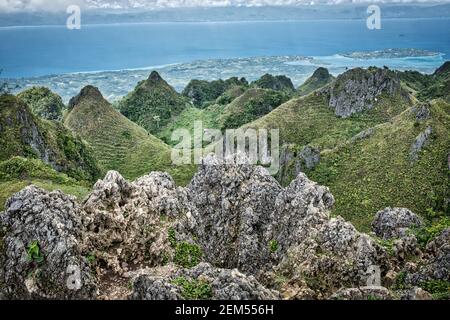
187	255
193	289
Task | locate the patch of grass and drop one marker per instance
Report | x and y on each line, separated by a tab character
387	244
400	281
172	237
193	289
91	258
187	255
273	245
439	289
34	252
432	230
17	173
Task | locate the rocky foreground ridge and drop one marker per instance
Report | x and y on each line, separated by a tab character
232	233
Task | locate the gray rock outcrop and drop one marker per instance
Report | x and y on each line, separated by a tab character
362	293
421	141
394	222
220	284
125	221
358	90
437	261
41	254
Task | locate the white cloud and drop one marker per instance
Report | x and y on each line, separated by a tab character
37	5
57	5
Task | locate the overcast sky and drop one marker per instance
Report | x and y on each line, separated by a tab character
56	5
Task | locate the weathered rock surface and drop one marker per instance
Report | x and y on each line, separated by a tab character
421	141
416	293
257	240
422	111
232	219
221	284
362	293
358	90
332	255
125	221
41	256
394	222
437	261
293	162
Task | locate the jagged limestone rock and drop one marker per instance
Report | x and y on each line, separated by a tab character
362	293
394	222
293	161
204	282
41	256
421	141
437	261
231	222
416	293
332	254
359	89
422	111
126	222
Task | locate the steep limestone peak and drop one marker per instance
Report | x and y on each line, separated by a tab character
358	90
154	76
88	92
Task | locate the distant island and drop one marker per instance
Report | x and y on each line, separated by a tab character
390	53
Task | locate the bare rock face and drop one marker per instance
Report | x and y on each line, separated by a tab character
210	282
421	141
41	256
358	89
362	293
233	214
333	254
422	111
416	293
126	222
394	222
244	219
293	162
437	261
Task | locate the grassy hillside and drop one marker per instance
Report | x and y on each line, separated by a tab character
278	83
366	175
18	172
202	93
309	120
118	143
427	87
246	107
153	103
43	102
251	105
24	134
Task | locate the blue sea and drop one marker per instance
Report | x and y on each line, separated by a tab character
115	57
